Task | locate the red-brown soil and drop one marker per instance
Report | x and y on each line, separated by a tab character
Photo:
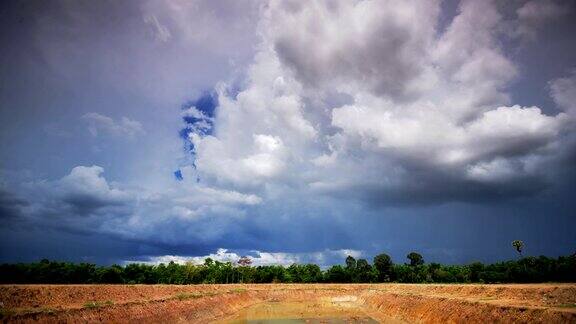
429	303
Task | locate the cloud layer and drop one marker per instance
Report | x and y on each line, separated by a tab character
425	116
259	258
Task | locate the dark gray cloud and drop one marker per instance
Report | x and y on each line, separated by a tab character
534	15
379	48
10	206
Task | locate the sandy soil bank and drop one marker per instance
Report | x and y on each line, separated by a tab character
539	303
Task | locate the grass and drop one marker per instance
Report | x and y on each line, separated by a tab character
5	312
186	296
95	304
45	310
487	298
237	290
573	305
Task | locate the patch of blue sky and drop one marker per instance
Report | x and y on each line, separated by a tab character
206	103
198	117
178	175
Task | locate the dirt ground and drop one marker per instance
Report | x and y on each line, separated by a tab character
389	303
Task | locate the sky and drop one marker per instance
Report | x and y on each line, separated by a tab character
289	131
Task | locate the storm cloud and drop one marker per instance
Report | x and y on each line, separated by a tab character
290	131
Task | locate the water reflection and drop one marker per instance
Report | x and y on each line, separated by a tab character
301	312
308	320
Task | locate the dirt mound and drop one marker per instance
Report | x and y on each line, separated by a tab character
547	303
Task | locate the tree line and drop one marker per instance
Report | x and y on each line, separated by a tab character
382	269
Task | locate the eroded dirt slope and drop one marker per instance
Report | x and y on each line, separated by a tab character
544	303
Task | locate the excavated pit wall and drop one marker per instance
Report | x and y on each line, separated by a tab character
206	303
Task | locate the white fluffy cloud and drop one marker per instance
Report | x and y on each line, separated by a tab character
89	183
99	124
85	201
421	106
259	258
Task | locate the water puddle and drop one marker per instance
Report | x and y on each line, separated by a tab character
307	320
302	312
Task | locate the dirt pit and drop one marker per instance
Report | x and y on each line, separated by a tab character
289	303
299	312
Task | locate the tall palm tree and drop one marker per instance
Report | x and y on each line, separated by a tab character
518	245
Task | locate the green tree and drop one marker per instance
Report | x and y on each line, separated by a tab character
475	270
208	262
415	259
336	274
527	269
350	262
363	271
112	275
383	264
351	268
244	262
313	273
